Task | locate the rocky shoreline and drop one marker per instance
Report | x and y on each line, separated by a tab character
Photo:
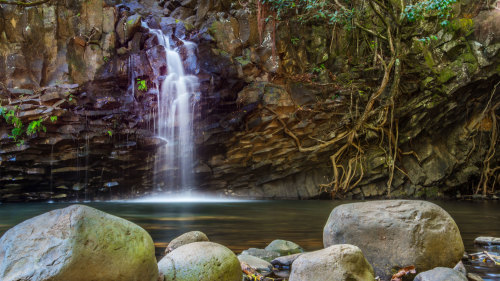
377	240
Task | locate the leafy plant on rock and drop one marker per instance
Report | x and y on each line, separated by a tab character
17	131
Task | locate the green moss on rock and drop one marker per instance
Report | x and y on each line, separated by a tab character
446	75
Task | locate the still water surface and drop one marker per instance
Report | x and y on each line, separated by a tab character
243	224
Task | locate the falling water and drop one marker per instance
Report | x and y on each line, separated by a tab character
175	119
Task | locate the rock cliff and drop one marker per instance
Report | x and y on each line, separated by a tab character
265	92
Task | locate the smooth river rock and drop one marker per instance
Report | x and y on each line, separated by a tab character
396	234
335	263
200	261
77	243
285	260
284	247
441	274
186	238
487	241
259	264
261	253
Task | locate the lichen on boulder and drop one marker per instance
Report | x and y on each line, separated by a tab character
77	243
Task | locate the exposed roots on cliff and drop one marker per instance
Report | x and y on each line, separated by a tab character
348	176
489	177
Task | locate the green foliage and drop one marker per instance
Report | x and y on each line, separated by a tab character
18	126
110	133
428	39
141	85
35	127
295	40
318	69
70	96
311	10
421	9
105	59
53	119
11	119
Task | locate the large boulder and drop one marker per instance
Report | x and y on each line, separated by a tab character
441	274
396	233
200	261
335	263
77	243
186	238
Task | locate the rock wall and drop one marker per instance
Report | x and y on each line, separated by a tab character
79	61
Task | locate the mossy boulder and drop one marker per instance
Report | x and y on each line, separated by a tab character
77	243
200	261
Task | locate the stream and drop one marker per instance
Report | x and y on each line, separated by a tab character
240	225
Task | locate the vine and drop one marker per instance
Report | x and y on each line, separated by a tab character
388	23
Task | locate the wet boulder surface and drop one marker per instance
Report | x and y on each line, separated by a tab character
200	261
397	233
441	274
186	238
77	243
335	263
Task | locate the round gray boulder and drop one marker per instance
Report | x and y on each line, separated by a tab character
200	261
440	274
335	263
396	234
77	243
186	238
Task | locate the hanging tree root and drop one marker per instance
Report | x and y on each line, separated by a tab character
343	176
488	174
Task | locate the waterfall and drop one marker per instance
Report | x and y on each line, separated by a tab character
175	120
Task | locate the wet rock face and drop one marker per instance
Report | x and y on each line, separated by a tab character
52	44
417	233
77	243
103	141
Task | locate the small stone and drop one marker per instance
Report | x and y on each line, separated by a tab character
474	277
487	241
260	265
284	247
460	268
440	274
285	261
186	238
261	253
